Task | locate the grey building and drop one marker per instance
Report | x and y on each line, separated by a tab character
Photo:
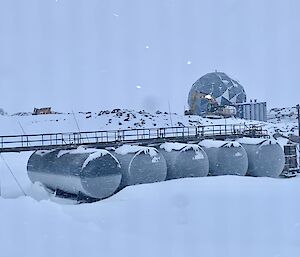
252	111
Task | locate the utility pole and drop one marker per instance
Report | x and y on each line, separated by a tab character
298	115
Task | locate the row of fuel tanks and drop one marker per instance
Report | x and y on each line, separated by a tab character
98	173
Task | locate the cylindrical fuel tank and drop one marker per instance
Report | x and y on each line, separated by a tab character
266	157
140	165
184	160
225	157
90	172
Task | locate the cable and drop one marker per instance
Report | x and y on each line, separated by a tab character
78	126
23	131
21	127
170	114
11	172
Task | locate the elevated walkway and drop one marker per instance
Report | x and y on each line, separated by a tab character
101	139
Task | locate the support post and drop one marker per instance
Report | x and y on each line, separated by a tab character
298	115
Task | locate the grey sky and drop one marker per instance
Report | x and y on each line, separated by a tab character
97	54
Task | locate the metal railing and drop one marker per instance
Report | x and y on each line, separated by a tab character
73	139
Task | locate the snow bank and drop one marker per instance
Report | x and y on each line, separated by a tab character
231	220
38	192
211	216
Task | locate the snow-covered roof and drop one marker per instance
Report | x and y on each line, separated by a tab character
99	153
79	150
209	143
256	141
135	149
169	147
43	152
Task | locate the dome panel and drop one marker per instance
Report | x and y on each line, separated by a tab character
223	89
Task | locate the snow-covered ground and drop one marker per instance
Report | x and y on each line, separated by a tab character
122	119
212	216
95	121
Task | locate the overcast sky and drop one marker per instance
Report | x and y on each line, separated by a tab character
86	55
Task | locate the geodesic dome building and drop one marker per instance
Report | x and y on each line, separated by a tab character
213	90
